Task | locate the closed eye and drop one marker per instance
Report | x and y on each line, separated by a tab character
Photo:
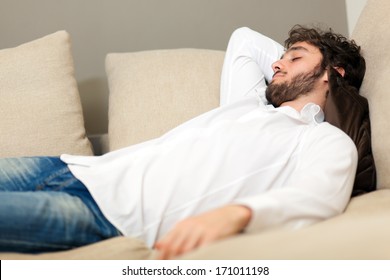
295	58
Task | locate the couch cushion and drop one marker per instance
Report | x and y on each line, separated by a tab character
151	92
117	248
348	110
361	233
40	105
375	40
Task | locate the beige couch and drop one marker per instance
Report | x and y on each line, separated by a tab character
153	91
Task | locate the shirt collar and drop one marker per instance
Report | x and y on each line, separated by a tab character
311	113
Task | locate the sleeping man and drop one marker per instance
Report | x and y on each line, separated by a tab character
264	159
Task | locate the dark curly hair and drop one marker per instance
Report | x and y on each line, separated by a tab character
337	51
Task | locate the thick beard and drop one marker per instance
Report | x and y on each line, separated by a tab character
300	85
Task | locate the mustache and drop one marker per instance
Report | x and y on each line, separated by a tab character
279	72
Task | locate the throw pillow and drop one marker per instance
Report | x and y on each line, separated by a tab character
40	105
348	110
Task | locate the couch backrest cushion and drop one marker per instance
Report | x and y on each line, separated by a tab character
372	33
151	92
39	101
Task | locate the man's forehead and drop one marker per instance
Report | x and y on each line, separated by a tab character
302	47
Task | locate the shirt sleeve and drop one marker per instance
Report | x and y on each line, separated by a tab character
247	65
320	188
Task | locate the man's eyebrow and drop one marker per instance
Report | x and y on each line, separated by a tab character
296	48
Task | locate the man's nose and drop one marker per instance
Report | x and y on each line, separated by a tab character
277	65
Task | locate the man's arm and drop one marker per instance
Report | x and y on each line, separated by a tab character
203	229
247	65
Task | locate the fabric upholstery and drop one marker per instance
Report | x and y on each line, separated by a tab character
151	92
117	248
361	233
373	35
40	105
349	111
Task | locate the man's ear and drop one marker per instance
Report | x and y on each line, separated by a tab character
341	70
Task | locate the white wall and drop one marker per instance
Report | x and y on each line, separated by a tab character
354	8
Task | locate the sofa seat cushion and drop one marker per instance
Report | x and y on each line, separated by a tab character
117	248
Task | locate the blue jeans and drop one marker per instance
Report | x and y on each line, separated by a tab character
44	208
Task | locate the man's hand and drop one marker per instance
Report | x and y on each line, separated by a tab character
201	230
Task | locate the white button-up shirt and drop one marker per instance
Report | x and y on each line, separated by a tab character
291	168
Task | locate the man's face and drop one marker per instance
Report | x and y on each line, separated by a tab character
296	73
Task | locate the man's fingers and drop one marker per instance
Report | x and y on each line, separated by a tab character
203	229
193	241
169	246
181	239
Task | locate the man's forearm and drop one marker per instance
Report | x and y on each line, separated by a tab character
203	229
